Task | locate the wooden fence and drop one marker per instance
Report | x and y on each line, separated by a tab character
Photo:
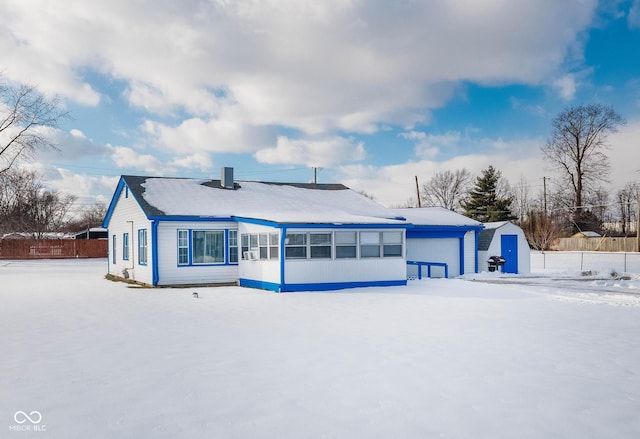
597	244
53	248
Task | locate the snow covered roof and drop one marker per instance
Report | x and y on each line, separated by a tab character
434	216
277	202
495	224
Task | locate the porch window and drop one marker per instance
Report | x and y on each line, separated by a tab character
244	245
295	246
346	245
392	244
207	247
369	244
273	246
320	245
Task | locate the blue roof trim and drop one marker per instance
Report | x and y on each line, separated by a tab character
192	218
283	225
328	286
114	201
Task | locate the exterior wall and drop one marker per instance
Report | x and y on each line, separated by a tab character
171	273
470	252
445	250
495	249
128	217
259	270
360	271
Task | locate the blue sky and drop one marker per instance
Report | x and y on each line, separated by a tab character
372	92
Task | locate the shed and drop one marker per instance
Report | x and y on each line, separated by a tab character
505	239
442	238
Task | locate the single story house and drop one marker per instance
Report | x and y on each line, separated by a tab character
274	236
445	239
505	239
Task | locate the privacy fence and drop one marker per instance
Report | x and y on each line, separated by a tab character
601	244
53	248
601	262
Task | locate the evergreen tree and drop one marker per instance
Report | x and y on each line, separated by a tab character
485	204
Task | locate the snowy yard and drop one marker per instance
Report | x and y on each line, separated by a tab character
527	358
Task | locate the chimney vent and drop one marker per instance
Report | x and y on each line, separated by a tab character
227	178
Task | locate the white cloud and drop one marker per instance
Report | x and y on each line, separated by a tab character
313	66
193	161
624	150
322	153
634	14
566	87
428	146
125	157
393	185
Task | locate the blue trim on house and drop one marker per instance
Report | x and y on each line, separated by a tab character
283	237
477	232
260	285
154	253
328	286
462	255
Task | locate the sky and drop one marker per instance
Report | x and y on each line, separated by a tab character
372	93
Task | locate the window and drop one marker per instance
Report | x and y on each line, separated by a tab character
113	249
183	247
142	246
391	244
244	245
125	247
369	244
320	245
273	246
346	245
233	246
207	247
263	240
295	246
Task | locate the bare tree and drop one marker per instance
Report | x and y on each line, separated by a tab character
25	116
89	217
522	203
541	230
577	148
446	189
27	206
625	198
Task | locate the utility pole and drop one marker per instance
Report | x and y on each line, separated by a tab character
315	175
418	192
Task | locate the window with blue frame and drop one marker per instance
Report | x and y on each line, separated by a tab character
183	247
142	247
125	246
207	247
233	246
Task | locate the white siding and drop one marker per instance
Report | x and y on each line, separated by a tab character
445	250
128	217
344	270
260	270
170	273
470	252
495	249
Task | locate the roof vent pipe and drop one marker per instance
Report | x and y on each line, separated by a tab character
227	178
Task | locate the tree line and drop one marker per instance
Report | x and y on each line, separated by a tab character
575	199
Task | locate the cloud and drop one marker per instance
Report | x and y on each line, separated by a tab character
72	145
320	153
394	184
566	87
315	67
208	136
125	157
633	19
429	145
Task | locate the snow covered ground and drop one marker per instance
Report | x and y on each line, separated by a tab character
528	357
